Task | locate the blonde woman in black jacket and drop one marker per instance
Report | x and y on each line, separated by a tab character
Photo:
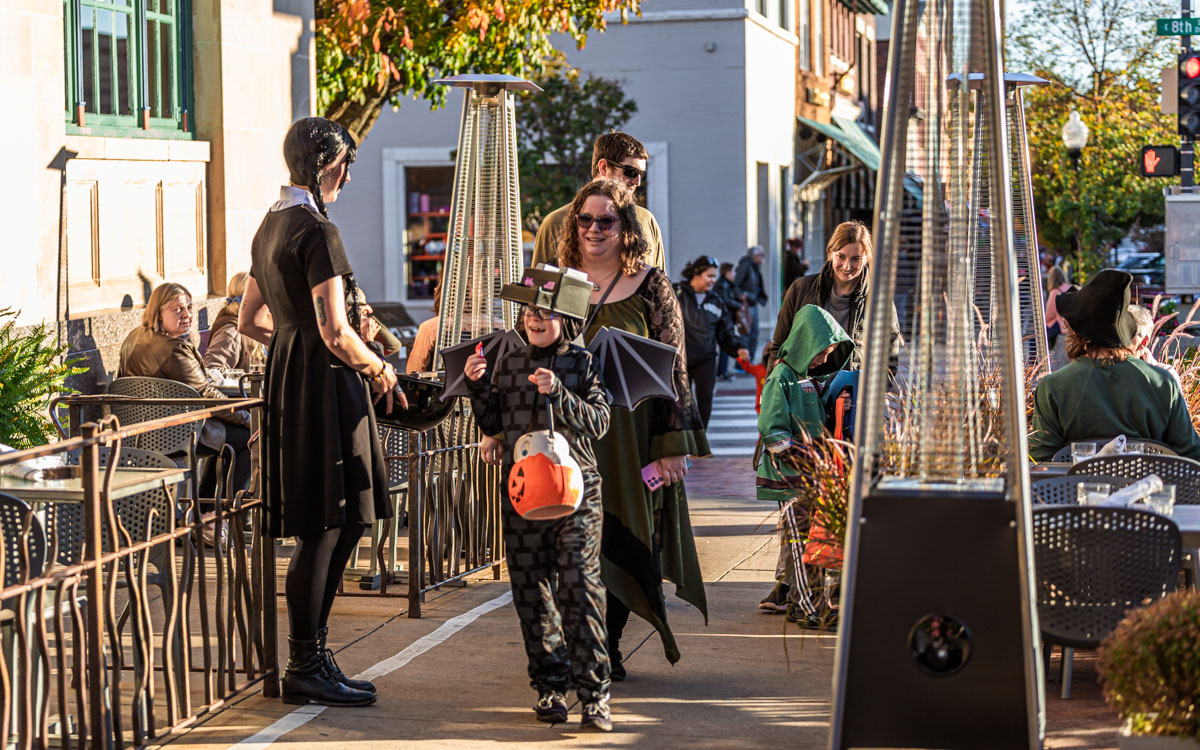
841	288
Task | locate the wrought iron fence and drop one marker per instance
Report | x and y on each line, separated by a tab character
453	502
98	650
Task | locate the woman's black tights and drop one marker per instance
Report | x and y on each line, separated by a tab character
314	574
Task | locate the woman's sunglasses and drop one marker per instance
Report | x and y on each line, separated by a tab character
603	223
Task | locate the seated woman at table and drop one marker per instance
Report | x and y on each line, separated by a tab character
1105	390
227	348
161	347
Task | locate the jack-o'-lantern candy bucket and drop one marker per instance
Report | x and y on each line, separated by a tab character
545	482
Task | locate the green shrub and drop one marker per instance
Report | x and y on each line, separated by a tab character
1150	667
30	374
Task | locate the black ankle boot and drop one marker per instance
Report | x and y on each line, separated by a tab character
306	680
334	670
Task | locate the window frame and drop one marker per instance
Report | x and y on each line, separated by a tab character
146	25
804	34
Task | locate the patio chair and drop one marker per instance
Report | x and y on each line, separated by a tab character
1092	566
1182	472
396	442
17	655
170	441
1062	490
1150	447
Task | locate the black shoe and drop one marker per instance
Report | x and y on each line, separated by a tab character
820	621
551	707
617	673
776	601
333	670
305	680
596	715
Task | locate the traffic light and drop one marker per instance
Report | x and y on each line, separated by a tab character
1189	94
1160	161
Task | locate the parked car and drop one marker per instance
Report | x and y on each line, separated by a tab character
1147	268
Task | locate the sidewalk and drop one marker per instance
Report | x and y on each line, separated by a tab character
456	678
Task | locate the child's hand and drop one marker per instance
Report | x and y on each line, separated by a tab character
490	450
476	367
544	379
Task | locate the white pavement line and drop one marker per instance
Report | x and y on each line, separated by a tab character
305	714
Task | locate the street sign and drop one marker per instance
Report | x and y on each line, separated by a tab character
1178	26
1160	161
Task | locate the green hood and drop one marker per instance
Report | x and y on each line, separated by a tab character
813	329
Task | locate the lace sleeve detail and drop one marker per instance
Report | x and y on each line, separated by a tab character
665	323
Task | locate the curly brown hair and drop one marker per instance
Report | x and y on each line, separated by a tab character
1078	346
633	245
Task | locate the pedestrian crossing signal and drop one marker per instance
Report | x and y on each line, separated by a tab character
1160	161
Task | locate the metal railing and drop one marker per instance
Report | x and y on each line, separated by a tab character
453	508
93	657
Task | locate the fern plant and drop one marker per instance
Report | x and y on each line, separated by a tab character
31	372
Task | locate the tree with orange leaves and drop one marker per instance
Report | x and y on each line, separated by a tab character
370	53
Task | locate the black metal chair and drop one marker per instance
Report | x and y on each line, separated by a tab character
1150	447
1092	566
24	558
1062	490
396	441
1182	472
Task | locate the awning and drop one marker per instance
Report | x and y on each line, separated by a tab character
850	135
872	7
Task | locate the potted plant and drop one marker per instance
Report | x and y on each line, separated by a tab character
1150	672
31	372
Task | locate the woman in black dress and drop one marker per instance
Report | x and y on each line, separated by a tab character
324	470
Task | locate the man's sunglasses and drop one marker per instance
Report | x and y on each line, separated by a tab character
603	223
631	173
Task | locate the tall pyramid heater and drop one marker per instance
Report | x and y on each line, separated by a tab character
1029	276
938	637
483	247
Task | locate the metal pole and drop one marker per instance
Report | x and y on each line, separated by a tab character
1187	161
1009	340
97	677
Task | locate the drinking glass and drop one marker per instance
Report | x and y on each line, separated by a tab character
1135	446
1163	501
1081	451
1092	493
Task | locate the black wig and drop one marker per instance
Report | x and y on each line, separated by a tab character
311	145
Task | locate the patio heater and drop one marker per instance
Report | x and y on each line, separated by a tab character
937	635
483	244
1029	276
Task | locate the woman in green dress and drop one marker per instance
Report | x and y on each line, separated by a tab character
647	534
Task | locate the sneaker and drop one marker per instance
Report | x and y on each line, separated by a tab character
596	716
823	621
551	707
776	601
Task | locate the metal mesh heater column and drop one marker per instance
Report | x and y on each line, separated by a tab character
483	245
937	638
1032	317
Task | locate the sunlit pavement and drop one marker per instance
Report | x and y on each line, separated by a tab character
746	680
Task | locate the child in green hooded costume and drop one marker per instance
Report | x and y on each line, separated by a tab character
791	405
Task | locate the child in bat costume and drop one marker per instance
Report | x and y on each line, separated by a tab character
554	565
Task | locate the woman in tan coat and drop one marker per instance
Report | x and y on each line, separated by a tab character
161	347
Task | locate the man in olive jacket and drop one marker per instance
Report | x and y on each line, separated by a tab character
1105	391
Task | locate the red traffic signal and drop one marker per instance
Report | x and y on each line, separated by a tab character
1160	161
1190	67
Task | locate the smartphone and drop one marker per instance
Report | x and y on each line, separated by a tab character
653	478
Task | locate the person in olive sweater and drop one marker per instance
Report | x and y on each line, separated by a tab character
1106	391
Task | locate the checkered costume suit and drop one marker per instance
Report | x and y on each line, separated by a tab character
554	565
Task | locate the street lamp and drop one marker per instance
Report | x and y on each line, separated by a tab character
1075	137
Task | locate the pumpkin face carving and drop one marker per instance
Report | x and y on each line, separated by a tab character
544	483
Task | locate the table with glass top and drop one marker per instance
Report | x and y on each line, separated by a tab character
65	483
